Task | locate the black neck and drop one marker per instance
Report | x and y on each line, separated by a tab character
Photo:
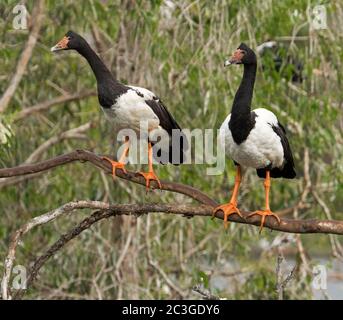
242	102
101	72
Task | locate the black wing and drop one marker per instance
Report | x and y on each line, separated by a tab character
167	122
281	132
178	147
288	170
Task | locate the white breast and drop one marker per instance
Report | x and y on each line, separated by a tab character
130	109
261	148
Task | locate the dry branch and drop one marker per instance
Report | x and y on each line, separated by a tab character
42	219
286	225
64	239
281	283
87	156
106	210
45	105
205	293
74	133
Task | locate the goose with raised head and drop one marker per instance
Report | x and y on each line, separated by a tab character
127	106
253	139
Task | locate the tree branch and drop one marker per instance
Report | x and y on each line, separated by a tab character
42	219
286	225
45	105
87	156
205	293
106	210
75	133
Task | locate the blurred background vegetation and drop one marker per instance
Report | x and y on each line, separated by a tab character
175	48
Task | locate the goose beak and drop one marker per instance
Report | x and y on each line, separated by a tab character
55	48
236	58
227	62
61	45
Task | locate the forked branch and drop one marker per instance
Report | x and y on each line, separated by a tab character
286	225
105	210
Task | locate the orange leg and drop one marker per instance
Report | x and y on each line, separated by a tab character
119	164
150	175
267	211
231	207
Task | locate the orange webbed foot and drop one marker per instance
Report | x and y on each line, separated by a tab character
264	214
228	209
115	165
150	176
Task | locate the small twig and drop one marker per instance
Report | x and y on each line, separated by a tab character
206	294
73	133
289	277
292	38
279	276
282	284
46	105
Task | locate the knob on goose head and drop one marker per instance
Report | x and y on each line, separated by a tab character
242	55
71	41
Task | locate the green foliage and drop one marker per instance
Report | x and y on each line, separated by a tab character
178	53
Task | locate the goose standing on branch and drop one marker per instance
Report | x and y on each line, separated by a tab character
127	106
253	138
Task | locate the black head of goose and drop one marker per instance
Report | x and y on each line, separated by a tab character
127	106
108	87
255	138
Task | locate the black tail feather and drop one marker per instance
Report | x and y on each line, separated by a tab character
176	153
288	172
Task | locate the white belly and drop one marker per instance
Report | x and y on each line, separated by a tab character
262	147
132	118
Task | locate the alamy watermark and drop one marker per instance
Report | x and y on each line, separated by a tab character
184	146
320	276
20	19
19	281
318	17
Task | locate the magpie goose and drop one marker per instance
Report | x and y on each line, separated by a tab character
127	106
253	138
